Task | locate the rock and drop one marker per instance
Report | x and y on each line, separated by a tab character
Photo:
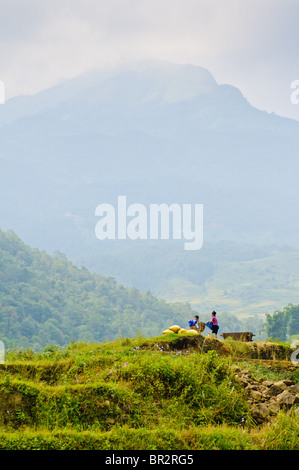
267	383
294	389
243	380
273	408
260	412
265	397
277	388
255	395
286	399
271	392
239	336
262	389
288	382
281	385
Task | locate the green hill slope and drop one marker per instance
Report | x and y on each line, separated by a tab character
150	393
48	300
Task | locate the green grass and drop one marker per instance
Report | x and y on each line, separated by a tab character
131	394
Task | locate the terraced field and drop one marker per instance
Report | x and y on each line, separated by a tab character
166	393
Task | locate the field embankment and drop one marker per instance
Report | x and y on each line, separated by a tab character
166	392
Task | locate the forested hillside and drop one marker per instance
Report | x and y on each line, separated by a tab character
48	300
284	324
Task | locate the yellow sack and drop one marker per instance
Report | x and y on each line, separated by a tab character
193	332
182	331
174	328
166	332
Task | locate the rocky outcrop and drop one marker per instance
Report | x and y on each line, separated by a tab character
245	336
266	397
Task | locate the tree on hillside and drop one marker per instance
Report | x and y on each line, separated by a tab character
283	324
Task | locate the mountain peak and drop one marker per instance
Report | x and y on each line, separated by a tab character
168	81
138	82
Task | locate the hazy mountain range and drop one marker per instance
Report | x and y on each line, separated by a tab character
155	132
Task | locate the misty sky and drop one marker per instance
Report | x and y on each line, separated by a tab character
252	44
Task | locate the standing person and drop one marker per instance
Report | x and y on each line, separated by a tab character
214	323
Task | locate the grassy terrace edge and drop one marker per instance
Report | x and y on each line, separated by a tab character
165	393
